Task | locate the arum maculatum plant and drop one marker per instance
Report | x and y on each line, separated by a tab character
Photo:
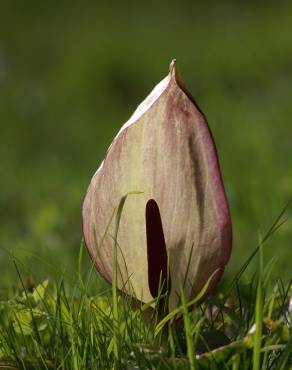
174	232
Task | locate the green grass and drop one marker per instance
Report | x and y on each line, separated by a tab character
54	326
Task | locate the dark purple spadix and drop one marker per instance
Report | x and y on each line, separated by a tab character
156	250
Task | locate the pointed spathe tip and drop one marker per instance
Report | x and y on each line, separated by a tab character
174	71
173	64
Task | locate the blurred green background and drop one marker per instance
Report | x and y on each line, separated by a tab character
71	73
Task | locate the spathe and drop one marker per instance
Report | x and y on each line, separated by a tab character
165	151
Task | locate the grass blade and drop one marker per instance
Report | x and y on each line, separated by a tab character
189	338
180	309
258	316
